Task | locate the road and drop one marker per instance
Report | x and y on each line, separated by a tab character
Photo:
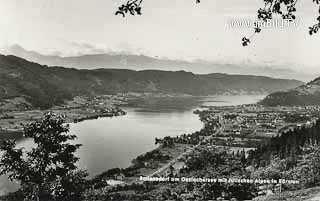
173	161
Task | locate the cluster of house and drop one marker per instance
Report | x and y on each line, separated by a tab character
257	121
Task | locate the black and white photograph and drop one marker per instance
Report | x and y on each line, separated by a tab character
160	100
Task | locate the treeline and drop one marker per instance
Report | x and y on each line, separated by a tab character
287	145
154	155
210	125
296	117
168	141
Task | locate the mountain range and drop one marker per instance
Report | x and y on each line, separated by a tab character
45	86
142	62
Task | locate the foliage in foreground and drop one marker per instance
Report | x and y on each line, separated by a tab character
48	171
204	162
294	155
285	9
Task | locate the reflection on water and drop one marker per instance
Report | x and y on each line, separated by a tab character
231	100
114	142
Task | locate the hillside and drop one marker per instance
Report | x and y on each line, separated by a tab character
309	194
45	86
307	94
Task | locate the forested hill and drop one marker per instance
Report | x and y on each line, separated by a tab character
45	86
306	94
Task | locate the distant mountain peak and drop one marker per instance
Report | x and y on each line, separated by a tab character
143	62
16	47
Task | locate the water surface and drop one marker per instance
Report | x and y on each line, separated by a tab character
114	142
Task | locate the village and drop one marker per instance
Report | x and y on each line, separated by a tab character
238	128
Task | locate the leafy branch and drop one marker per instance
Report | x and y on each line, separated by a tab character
132	7
284	8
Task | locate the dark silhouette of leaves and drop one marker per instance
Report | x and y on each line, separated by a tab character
314	29
245	41
48	171
283	8
120	13
257	29
132	6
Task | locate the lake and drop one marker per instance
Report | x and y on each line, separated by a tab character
114	142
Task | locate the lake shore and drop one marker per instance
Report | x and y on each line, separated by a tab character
161	161
83	108
147	164
77	110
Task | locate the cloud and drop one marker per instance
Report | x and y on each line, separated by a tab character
84	48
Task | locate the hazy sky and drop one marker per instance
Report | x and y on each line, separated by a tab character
168	28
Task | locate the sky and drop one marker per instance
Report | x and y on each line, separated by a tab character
175	29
